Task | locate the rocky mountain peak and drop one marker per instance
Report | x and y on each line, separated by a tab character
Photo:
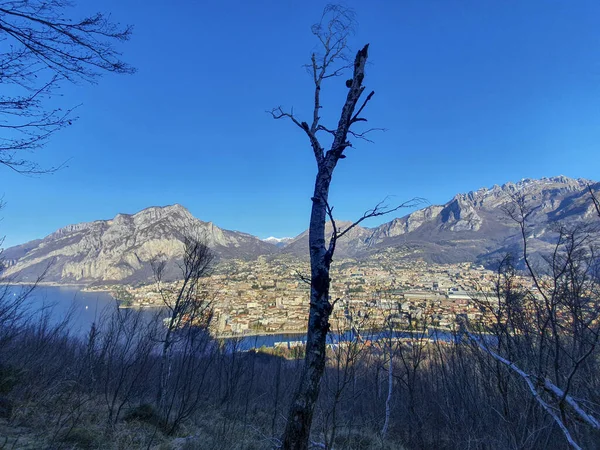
478	220
470	227
75	228
154	213
122	248
534	188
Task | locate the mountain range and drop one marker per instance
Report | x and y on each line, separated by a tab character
473	227
122	249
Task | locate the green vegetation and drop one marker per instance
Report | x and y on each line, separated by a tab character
123	296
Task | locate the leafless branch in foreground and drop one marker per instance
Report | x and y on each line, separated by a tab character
532	383
380	209
42	50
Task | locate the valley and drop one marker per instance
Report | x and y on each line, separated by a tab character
270	295
433	264
474	227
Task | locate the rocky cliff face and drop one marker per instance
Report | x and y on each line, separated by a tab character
468	212
350	244
121	249
472	226
476	227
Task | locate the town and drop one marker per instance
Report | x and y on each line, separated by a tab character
271	295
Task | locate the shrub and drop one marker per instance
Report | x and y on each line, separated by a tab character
9	378
82	438
6	408
144	413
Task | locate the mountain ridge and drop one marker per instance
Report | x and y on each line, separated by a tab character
471	226
121	249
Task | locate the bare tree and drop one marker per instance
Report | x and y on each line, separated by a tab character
187	307
348	345
126	345
548	336
41	50
16	308
333	32
402	342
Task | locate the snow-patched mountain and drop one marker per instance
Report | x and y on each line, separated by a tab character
278	242
122	248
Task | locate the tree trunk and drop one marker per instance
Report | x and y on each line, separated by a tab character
299	421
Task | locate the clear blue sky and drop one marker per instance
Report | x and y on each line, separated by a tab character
473	93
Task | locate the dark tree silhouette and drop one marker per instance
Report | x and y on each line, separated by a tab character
41	49
333	31
188	315
548	336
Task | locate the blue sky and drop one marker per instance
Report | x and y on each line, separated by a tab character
472	93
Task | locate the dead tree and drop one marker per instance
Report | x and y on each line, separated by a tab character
333	31
42	49
187	306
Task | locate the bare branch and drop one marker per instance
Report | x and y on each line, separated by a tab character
530	384
363	134
381	209
337	24
279	113
595	200
334	233
559	393
44	49
323	128
302	277
358	119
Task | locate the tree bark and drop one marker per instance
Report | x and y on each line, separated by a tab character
297	431
388	400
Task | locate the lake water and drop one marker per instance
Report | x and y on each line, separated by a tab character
86	308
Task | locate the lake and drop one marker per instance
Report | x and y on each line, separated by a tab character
87	307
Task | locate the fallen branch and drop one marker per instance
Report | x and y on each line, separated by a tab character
528	380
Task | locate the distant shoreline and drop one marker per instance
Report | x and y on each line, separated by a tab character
251	335
43	283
